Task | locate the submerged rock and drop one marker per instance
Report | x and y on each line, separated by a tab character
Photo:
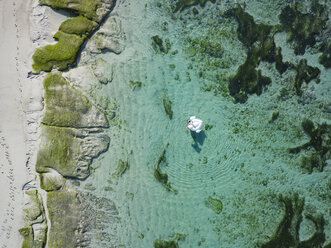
302	28
214	204
287	233
180	5
260	44
320	140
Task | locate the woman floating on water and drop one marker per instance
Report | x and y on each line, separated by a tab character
194	124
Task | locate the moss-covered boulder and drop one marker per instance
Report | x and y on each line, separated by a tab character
65	106
302	28
79	25
69	151
92	9
57	56
51	180
65	215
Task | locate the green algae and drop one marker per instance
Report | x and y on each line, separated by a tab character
58	56
158	175
208	127
65	215
260	44
65	106
121	168
287	233
159	46
320	140
58	150
79	25
325	58
172	243
69	151
85	8
50	183
135	84
180	5
274	116
34	214
304	73
214	204
167	105
27	234
302	29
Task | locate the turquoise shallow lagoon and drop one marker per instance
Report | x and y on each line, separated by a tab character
242	157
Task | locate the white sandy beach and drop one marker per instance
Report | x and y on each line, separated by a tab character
15	96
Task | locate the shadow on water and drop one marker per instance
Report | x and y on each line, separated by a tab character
199	139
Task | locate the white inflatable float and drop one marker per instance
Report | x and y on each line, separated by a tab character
194	124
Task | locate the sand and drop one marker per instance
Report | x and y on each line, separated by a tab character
20	103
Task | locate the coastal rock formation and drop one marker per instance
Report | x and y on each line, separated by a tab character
92	9
66	217
70	151
72	32
67	107
35	226
109	37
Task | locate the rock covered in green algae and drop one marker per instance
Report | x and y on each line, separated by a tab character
320	140
66	217
51	180
158	175
35	226
172	243
214	204
180	5
67	107
305	73
260	44
302	28
122	166
57	56
167	105
71	34
69	151
325	58
79	25
159	46
287	233
92	9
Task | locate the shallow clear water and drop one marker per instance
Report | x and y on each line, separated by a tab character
242	160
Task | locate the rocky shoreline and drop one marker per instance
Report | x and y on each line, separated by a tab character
72	132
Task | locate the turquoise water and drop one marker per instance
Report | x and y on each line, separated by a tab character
241	160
